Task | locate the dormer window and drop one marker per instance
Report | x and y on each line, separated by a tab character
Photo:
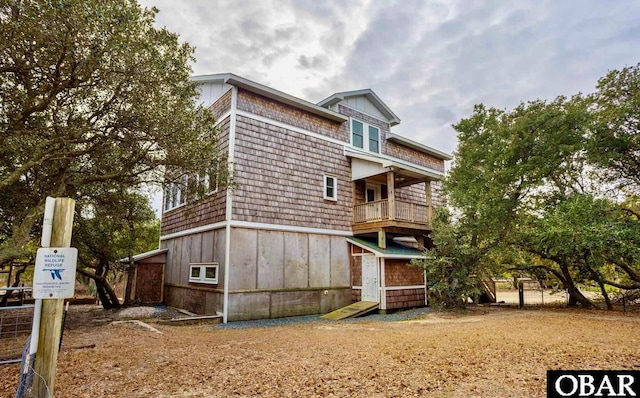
365	136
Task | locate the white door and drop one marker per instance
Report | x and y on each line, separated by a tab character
370	287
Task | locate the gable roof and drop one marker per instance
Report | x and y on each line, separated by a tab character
257	88
370	95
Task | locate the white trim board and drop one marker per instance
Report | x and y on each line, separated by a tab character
191	231
246	224
289	228
289	127
403	287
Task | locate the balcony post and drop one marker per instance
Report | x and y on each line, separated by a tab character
427	191
391	194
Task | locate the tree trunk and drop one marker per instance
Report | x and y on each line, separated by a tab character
108	296
128	300
575	296
598	278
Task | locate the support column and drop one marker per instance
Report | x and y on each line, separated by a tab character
391	194
382	239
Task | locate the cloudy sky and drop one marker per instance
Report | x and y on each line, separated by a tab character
430	61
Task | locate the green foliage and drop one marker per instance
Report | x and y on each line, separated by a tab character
587	233
452	266
615	143
109	227
503	161
93	99
529	189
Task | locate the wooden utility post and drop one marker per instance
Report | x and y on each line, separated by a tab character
52	309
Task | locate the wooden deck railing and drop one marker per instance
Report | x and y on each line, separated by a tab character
379	211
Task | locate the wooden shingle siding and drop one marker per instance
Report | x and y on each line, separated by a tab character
208	210
416	193
279	175
405	298
222	105
422	159
399	273
283	113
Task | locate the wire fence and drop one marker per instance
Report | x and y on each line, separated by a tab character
530	293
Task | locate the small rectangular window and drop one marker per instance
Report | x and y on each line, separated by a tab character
357	130
203	273
330	188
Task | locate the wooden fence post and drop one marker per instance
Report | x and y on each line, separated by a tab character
52	309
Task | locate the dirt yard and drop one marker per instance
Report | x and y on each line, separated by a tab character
485	352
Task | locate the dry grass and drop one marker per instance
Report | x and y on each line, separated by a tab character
488	352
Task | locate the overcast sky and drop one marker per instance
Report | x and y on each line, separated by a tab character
429	61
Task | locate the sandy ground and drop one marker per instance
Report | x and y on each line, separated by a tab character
484	352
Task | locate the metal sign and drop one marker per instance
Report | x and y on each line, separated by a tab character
54	276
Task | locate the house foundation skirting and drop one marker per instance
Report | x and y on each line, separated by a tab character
246	305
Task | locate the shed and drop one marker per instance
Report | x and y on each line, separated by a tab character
384	275
146	279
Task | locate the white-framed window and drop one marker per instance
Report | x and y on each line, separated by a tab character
203	273
330	187
175	194
365	136
208	182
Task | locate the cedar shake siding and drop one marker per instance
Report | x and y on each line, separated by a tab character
399	273
265	107
222	105
405	298
411	155
279	175
208	210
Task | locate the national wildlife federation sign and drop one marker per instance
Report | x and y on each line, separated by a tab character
54	276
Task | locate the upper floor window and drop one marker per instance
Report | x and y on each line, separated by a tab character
365	136
175	194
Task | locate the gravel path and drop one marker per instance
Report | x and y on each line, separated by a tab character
265	323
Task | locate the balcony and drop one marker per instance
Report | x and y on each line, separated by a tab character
404	216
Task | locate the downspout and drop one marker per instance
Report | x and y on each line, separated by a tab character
229	204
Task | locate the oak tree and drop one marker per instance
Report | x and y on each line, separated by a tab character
93	98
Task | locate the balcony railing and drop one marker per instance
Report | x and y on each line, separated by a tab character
379	211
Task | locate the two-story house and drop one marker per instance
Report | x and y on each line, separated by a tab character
322	192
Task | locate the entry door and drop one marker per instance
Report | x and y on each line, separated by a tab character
373	209
370	286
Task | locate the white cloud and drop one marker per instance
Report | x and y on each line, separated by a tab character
430	61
